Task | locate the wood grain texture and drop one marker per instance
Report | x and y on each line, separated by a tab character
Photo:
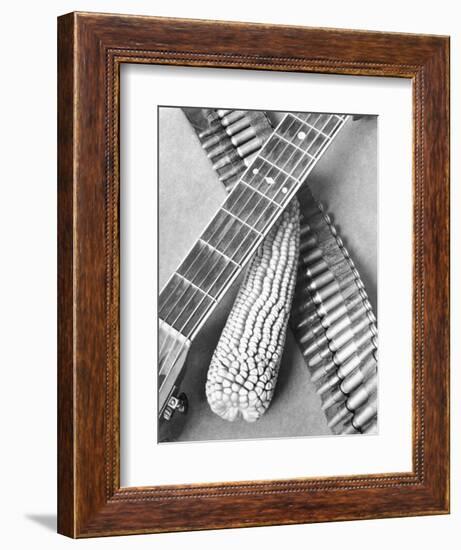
91	48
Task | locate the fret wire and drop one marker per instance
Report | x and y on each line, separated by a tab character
172	305
290	141
333	133
294	117
184	306
219	252
262	195
327	140
195	286
279	169
330	116
240	227
317	131
294	145
289	158
259	192
240	220
203	272
254	190
292	121
313	127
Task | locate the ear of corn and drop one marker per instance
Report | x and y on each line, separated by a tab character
244	368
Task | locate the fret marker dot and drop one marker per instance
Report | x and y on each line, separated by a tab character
284	190
255	170
302	135
270	181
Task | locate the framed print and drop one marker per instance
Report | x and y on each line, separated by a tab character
241	208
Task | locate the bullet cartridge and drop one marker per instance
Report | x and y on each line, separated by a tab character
249	159
349	429
363	393
351	364
243	136
324	369
214	127
371	428
339	340
307	241
317	268
215	139
315	221
336	396
365	414
313	360
346	351
308	210
316	332
249	147
227	158
337	299
358	396
352	381
238	126
230	171
341	414
257	127
231	117
307	307
317	345
330	383
317	225
357	377
312	256
310	324
346	320
336	271
333	288
223	112
333	316
224	146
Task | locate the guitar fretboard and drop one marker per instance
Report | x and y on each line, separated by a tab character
245	218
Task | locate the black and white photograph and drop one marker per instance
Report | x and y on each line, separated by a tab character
267	274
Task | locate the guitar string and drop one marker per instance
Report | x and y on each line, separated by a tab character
319	132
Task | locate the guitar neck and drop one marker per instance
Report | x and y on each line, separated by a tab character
249	212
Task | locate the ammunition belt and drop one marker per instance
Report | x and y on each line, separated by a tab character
331	316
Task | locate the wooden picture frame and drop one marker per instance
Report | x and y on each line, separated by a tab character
92	48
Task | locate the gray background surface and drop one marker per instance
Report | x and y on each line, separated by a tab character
345	180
